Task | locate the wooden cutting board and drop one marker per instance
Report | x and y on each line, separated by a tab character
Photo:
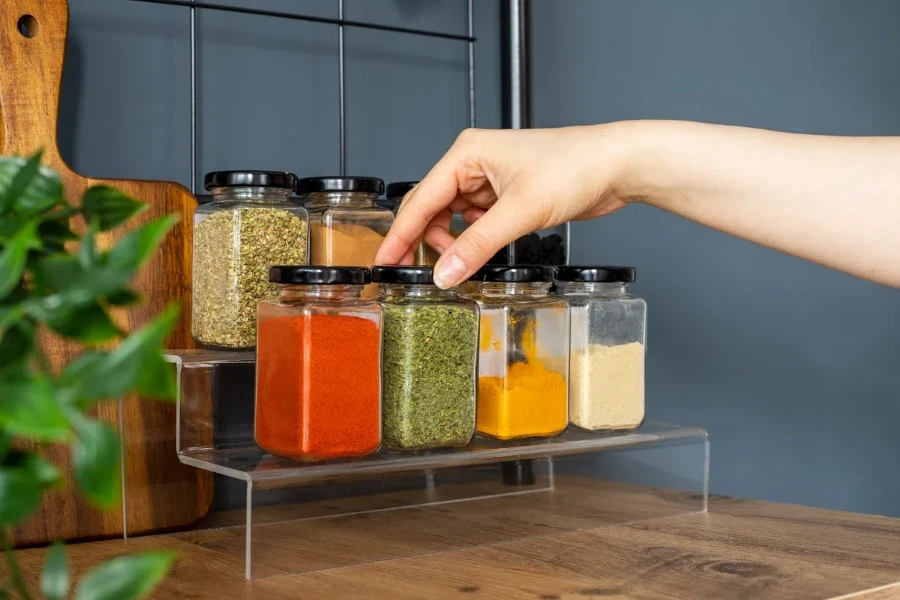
159	493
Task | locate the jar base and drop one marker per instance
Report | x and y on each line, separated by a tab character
540	434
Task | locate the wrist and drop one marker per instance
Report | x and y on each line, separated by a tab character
647	150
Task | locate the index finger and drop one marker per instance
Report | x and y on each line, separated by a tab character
433	194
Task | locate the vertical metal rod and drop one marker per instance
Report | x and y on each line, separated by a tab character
516	66
193	100
517	90
471	18
343	133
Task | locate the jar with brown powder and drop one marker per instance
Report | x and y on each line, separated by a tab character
346	227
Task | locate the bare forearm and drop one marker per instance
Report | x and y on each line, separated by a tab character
831	200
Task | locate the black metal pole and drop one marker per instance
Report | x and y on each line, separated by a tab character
515	40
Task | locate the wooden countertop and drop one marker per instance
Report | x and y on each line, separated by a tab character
739	549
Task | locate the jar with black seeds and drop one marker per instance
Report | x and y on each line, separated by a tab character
250	225
429	358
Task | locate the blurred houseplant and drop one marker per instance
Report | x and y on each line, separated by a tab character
43	286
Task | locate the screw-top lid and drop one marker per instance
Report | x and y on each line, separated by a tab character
320	275
310	185
275	179
398	189
596	274
515	274
407	275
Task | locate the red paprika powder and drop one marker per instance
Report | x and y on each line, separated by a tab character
318	382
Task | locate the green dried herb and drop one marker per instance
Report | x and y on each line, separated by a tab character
233	251
428	386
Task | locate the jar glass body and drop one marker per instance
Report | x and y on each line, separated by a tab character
318	373
429	355
608	336
346	228
237	237
545	247
523	361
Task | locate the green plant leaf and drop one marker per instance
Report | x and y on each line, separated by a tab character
135	248
20	494
45	472
156	379
101	375
95	458
9	316
28	408
57	271
55	231
14	255
109	207
17	344
87	322
5	441
124	297
30	187
125	577
55	580
87	249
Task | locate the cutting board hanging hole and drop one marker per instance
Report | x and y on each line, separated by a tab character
28	26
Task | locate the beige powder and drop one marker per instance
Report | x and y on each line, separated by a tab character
606	386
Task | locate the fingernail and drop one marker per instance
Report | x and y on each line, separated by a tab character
450	272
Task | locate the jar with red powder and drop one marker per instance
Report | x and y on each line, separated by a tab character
318	365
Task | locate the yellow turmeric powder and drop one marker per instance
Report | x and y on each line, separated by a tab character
531	400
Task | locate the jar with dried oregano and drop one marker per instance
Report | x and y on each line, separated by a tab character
430	350
250	225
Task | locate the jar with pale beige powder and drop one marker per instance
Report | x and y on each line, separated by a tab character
607	339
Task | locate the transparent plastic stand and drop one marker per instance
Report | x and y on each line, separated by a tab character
274	516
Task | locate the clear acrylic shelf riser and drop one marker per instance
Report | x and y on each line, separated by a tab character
272	516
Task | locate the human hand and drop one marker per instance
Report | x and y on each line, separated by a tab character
508	183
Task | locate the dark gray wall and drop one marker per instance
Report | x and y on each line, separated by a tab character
268	88
794	369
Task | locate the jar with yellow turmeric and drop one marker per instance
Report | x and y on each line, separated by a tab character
523	363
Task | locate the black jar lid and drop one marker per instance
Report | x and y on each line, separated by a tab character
595	274
311	185
320	275
273	179
407	275
398	189
515	274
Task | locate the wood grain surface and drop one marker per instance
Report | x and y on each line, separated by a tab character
159	493
740	549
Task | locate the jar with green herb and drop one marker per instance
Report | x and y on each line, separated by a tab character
429	359
250	225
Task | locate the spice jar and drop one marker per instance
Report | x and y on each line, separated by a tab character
318	365
523	361
606	380
249	226
429	355
346	226
544	247
425	254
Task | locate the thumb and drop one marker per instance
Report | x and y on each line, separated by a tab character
506	221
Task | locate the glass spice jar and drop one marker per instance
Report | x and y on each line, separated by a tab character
523	361
425	254
346	226
249	226
318	365
608	335
429	354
